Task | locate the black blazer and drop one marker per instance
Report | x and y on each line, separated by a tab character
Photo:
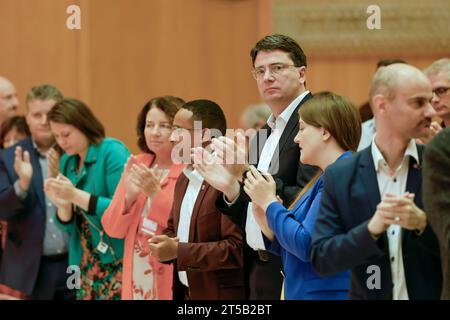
341	240
26	222
290	176
436	196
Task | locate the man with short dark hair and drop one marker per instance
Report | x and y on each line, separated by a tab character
35	259
279	68
205	245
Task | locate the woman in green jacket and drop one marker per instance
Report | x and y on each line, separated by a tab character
90	170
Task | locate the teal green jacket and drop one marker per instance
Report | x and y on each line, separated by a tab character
99	176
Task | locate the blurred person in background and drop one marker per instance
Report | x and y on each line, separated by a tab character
35	260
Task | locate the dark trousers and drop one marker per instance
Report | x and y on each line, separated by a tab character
51	283
264	275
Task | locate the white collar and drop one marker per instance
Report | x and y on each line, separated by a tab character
193	175
411	150
287	113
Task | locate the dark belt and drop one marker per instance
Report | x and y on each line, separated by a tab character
55	257
263	255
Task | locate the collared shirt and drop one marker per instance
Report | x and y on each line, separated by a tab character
56	241
368	129
252	229
187	206
394	182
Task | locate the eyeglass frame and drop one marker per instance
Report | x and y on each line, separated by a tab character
176	129
443	91
272	72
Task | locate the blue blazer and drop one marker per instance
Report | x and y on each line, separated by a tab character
342	241
292	230
26	222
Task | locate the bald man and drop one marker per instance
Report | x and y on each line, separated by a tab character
8	100
371	212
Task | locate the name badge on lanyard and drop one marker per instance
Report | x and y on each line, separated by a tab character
149	226
102	246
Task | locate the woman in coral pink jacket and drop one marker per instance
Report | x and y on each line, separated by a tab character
142	203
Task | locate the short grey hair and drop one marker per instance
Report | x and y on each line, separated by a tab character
384	82
44	92
253	114
441	65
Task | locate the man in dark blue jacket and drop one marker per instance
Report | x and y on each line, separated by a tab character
35	258
371	218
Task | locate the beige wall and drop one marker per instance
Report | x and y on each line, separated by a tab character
343	52
129	51
351	76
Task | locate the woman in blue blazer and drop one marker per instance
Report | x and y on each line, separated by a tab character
330	128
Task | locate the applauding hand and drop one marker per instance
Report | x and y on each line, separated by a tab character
53	163
23	168
163	248
215	174
260	188
147	180
232	155
51	189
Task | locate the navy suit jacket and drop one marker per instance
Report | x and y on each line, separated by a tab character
26	222
342	241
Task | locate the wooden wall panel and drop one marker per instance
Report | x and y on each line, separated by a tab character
129	51
351	76
193	49
36	47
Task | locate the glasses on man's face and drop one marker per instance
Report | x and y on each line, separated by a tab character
275	69
177	129
440	91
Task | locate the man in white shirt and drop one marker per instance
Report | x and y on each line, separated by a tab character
371	214
205	245
279	68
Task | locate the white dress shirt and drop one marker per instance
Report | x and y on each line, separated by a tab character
187	205
252	229
394	182
368	129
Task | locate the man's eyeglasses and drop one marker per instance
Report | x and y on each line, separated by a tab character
440	91
178	129
275	69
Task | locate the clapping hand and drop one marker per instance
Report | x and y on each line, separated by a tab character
51	189
53	163
214	173
132	190
147	180
23	168
163	248
232	155
260	188
397	210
